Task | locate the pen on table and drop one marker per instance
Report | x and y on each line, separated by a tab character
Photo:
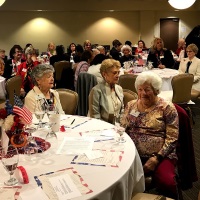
72	122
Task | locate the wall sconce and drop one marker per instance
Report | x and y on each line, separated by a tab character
181	4
2	2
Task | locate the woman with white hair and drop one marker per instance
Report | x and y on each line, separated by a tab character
152	123
127	54
25	69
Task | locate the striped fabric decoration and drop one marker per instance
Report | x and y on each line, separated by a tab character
21	110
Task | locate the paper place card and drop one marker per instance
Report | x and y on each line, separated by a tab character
110	158
43	181
10	193
99	135
64	187
75	145
93	154
34	194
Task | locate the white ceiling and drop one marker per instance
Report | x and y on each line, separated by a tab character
90	5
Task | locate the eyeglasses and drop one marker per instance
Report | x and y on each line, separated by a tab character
189	51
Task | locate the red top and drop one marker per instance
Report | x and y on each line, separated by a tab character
23	70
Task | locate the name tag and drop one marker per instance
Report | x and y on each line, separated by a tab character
161	57
24	70
134	113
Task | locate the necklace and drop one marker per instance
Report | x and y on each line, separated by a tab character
114	103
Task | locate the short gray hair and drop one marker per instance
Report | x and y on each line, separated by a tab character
39	71
126	47
29	50
153	79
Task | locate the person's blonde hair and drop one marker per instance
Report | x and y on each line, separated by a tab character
193	47
154	44
108	64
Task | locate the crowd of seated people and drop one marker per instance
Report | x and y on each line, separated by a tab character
150	121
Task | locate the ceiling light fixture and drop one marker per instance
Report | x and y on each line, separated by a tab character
181	4
2	2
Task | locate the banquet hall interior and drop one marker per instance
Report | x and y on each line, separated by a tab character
100	21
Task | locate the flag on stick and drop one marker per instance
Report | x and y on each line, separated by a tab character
21	110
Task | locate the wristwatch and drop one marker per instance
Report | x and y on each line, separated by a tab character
158	157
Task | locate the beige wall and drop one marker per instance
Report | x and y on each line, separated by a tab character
39	28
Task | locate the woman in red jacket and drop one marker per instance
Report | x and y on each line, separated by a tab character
25	69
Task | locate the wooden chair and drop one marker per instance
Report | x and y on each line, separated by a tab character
182	86
127	81
64	75
129	96
13	85
195	95
68	100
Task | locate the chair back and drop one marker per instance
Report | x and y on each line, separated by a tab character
13	85
85	83
185	151
182	86
127	81
129	96
64	75
68	100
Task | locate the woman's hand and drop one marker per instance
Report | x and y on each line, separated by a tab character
161	66
22	92
150	165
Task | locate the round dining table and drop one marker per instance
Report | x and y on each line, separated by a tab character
166	74
2	88
102	182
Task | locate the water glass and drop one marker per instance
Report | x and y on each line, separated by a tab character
9	159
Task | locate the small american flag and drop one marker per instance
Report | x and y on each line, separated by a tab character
21	110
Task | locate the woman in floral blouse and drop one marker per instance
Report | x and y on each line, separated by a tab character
152	123
160	56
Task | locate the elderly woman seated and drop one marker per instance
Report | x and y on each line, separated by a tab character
152	123
191	65
127	54
42	94
107	96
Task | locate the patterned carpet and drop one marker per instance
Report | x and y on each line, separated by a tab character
192	194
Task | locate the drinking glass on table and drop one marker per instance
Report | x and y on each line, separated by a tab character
9	159
39	113
51	113
31	147
120	130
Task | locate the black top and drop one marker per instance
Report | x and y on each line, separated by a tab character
8	69
57	58
115	54
125	59
163	57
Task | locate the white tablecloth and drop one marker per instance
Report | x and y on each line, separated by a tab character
166	75
116	183
2	88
